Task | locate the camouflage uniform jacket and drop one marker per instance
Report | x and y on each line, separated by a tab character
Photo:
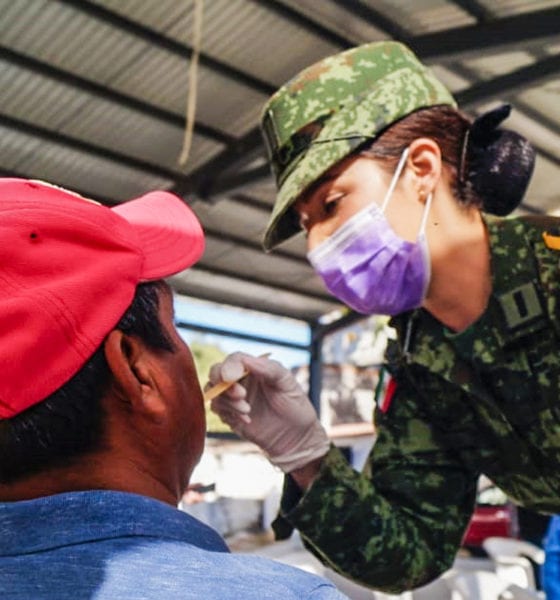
485	400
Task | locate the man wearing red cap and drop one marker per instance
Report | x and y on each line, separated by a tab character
101	413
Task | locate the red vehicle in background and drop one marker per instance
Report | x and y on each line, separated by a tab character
494	515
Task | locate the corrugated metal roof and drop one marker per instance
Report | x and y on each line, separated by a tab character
93	96
503	8
334	17
428	16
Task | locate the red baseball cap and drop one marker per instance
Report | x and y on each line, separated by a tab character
69	268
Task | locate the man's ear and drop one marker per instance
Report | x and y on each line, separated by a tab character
424	159
135	374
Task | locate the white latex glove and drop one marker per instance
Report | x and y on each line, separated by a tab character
269	408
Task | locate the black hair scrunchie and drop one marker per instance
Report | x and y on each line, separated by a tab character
497	163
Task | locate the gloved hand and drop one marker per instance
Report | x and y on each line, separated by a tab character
269	408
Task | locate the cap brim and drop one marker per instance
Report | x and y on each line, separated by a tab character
316	162
169	233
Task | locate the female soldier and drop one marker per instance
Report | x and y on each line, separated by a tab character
392	185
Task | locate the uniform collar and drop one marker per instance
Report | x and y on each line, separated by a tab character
514	310
515	307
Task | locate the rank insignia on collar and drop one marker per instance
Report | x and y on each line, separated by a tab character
522	305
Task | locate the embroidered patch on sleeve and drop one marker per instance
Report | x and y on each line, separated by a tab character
385	402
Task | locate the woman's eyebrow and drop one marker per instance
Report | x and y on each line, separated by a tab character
312	189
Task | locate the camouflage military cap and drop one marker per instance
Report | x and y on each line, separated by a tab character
329	109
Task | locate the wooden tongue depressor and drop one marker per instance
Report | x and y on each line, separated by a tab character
222	386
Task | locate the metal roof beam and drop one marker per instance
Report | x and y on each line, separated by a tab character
56	137
518	80
238	154
5	172
297	18
238	181
104	93
292	314
374	17
240	335
320	330
254	203
160	40
245	244
487	36
273	287
475	9
498	35
537	116
543	120
506	85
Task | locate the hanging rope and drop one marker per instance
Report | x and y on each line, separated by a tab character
192	81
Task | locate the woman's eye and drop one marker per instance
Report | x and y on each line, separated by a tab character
331	203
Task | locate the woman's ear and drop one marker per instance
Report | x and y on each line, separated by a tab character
424	160
134	367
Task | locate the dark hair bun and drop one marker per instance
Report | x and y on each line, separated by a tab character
500	163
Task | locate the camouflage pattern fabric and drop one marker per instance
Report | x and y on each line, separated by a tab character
486	400
332	107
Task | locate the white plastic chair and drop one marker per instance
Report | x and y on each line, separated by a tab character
502	546
514	592
511	560
476	585
403	596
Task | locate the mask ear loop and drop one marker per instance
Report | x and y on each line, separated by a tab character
425	214
395	179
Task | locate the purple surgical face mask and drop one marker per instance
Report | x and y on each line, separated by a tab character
366	265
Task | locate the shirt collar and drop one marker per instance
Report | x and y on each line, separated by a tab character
77	517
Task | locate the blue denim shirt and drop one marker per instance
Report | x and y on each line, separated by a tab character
103	545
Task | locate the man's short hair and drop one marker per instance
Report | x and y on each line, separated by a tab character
69	422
